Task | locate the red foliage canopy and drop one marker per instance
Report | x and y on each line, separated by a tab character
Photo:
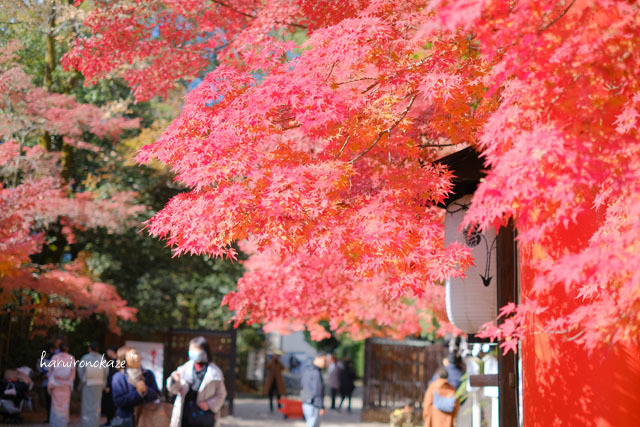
327	155
33	195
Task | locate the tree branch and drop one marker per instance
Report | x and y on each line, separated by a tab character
223	4
564	12
330	71
356	80
342	148
371	86
435	145
292	24
388	130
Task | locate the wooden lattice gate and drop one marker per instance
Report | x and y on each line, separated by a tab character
395	371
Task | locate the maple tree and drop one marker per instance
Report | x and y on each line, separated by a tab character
322	151
307	294
34	195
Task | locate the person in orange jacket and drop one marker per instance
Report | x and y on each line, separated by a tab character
440	405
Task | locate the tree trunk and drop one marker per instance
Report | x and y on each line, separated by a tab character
53	253
49	66
50	62
67	162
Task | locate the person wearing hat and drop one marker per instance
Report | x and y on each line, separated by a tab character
274	384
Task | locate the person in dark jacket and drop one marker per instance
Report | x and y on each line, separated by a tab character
108	406
131	387
455	369
333	375
312	393
42	366
347	378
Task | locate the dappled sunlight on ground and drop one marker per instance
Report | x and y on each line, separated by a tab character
254	411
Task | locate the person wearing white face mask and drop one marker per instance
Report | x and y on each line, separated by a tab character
199	386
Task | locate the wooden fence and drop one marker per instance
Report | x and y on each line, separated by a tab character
395	371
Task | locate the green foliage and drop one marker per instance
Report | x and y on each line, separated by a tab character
429	327
168	292
250	337
341	346
354	350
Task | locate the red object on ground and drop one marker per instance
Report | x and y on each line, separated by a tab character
291	408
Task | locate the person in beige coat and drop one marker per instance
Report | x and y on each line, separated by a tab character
199	386
440	405
274	384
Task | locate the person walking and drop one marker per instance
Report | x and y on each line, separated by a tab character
274	384
312	393
455	367
131	386
93	379
333	374
42	366
294	364
107	406
440	405
62	373
347	382
199	388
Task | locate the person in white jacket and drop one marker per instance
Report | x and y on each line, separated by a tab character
93	379
199	386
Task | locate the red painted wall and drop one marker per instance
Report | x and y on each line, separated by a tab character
565	386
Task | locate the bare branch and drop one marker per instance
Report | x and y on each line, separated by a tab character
292	24
330	71
388	130
223	4
356	80
435	145
371	86
342	148
564	12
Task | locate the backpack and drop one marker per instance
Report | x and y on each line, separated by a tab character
444	404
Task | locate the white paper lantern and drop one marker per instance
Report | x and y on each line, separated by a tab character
471	300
